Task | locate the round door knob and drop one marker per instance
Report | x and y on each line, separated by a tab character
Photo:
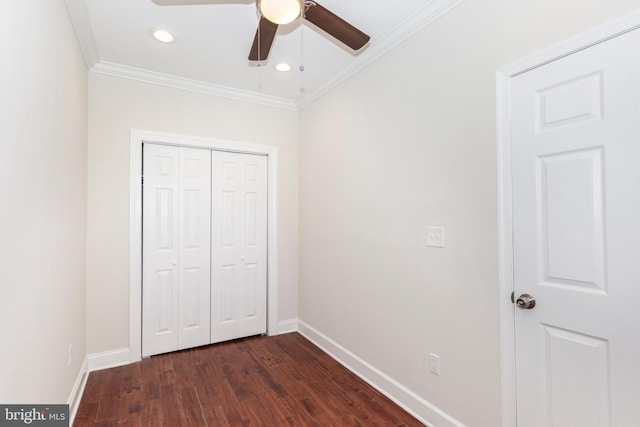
526	302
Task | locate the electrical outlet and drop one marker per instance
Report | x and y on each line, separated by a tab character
70	354
434	363
435	237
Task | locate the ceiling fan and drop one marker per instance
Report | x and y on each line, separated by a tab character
278	12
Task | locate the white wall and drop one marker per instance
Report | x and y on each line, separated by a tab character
409	142
43	176
117	105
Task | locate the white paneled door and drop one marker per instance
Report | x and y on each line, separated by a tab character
576	237
239	246
176	248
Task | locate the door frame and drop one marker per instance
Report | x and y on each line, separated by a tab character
504	75
138	138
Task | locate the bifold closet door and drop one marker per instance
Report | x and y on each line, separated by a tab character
239	246
176	248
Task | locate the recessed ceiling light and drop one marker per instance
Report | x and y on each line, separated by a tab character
163	36
283	66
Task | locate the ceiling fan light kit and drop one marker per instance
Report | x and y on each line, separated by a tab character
280	11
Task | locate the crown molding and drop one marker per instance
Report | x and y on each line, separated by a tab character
431	11
154	77
79	15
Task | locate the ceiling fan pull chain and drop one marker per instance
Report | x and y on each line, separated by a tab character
301	68
259	61
302	42
306	5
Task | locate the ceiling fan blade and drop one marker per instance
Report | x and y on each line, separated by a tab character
336	26
264	35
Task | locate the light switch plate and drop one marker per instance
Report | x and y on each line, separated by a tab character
435	237
434	363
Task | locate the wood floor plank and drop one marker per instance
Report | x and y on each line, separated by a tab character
86	414
192	407
232	407
151	413
170	405
259	381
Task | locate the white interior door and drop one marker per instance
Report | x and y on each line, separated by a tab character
576	231
176	248
239	246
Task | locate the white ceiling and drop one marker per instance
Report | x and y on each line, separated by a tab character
213	43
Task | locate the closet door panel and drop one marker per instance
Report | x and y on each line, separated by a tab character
195	248
161	215
176	248
239	239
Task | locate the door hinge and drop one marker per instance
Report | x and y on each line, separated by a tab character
142	180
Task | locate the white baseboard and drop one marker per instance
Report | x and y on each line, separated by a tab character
423	410
76	392
287	326
108	359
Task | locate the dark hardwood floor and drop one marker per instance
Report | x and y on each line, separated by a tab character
260	381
